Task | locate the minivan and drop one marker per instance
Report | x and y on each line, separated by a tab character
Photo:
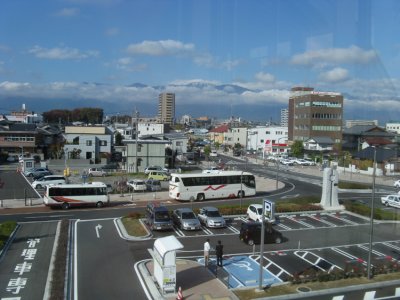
159	175
158	217
250	233
49	179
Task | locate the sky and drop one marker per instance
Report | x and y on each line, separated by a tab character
221	58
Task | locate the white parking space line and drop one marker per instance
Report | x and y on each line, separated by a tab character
233	229
292	218
317	258
346	254
206	231
284	226
377	253
270	262
178	231
391	246
321	220
343	219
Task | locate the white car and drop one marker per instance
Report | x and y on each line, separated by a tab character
302	162
137	185
254	212
96	172
397	183
391	200
213	170
214	153
154	168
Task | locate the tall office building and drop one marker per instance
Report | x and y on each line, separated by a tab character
284	117
315	114
166	108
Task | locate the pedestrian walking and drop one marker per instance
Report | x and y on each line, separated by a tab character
219	251
207	249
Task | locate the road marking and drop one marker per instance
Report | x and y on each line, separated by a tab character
98	227
300	222
321	220
343	219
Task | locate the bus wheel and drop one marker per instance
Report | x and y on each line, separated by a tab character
65	205
240	194
200	197
99	204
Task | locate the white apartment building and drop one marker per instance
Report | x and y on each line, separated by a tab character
269	140
236	135
393	127
150	129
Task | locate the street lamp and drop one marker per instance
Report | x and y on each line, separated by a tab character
371	226
277	162
136	145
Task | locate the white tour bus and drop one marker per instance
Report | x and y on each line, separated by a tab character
200	186
85	194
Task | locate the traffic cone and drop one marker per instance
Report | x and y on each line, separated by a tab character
180	295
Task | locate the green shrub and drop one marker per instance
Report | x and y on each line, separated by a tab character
353	185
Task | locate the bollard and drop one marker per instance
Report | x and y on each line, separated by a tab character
30	201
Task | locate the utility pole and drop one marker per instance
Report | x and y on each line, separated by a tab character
136	139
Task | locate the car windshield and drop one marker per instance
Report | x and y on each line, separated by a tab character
259	211
162	216
139	183
188	215
213	213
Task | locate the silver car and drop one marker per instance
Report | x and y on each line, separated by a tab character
210	217
185	219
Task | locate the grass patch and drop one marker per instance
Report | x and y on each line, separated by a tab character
364	210
247	294
133	226
6	228
353	185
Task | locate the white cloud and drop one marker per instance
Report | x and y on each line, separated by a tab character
68	12
230	64
129	64
265	77
160	48
61	53
335	75
13	86
351	55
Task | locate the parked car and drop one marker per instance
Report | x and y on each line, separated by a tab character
41	174
154	168
49	179
185	219
302	162
250	233
36	172
153	185
190	161
254	212
12	159
209	216
397	183
159	175
286	162
212	170
391	200
137	185
98	172
214	153
158	217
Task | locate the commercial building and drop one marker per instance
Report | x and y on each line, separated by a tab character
166	108
315	114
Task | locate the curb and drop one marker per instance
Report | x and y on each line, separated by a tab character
124	234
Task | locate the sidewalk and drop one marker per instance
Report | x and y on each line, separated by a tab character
196	282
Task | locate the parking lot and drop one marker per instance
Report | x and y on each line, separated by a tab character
280	265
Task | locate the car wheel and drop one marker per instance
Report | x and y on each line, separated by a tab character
250	242
99	204
30	175
38	186
278	240
387	204
65	205
200	197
